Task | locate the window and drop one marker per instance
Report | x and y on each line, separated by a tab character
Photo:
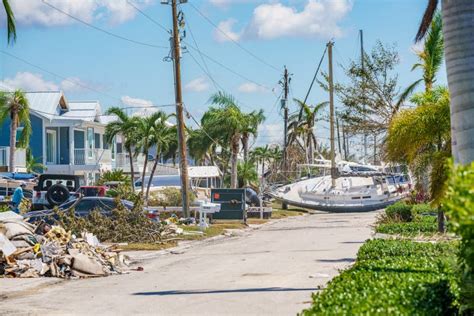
104	143
90	142
51	146
97	140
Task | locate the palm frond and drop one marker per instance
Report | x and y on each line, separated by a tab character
11	27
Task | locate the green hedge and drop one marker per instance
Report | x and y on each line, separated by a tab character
425	225
393	277
459	205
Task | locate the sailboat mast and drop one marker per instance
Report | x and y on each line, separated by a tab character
331	116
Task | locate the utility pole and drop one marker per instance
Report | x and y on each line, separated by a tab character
331	113
183	163
338	136
344	140
284	104
362	64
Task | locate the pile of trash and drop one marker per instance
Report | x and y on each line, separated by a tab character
28	251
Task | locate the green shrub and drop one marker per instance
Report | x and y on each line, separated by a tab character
393	277
399	211
459	205
423	208
425	225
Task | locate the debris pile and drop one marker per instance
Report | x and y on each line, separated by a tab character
29	251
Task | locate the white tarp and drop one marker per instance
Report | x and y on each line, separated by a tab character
204	172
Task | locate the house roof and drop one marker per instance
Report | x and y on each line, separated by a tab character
45	103
83	110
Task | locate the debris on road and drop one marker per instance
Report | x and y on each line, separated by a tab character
28	251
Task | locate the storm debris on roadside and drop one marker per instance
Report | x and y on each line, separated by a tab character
29	251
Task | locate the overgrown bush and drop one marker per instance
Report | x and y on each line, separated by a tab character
125	192
399	211
393	277
123	225
112	176
459	204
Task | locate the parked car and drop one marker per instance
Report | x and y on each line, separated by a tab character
98	190
53	190
82	209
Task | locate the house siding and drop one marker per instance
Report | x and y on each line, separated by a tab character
36	137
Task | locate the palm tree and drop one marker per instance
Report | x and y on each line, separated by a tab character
11	28
302	126
430	58
225	122
246	173
15	105
421	138
146	136
162	137
261	155
250	128
458	23
125	126
33	164
201	146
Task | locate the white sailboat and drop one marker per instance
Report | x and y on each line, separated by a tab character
350	187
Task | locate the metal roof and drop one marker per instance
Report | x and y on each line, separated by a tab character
47	104
83	110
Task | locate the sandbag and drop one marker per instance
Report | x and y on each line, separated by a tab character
85	264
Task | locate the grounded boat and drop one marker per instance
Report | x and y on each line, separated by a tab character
351	191
350	187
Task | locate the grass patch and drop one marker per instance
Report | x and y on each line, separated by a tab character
393	277
148	246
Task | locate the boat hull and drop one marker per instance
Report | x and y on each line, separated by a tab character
338	208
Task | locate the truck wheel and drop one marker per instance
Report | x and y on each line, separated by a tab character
57	195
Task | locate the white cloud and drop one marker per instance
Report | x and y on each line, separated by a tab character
250	87
142	107
35	12
226	28
270	134
197	85
30	82
318	18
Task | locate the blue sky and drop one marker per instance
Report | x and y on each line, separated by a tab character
286	32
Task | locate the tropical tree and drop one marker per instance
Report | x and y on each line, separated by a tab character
224	121
458	23
144	128
162	137
126	127
11	28
303	126
201	147
33	165
250	128
421	138
261	155
15	105
113	175
430	58
247	173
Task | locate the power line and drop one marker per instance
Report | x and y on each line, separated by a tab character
68	80
149	18
234	41
102	30
201	53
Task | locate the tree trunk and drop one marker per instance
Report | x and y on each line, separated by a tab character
151	178
132	171
233	167
441	222
310	150
263	168
13	129
245	144
144	171
458	25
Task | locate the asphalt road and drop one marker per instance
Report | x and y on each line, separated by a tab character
267	271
